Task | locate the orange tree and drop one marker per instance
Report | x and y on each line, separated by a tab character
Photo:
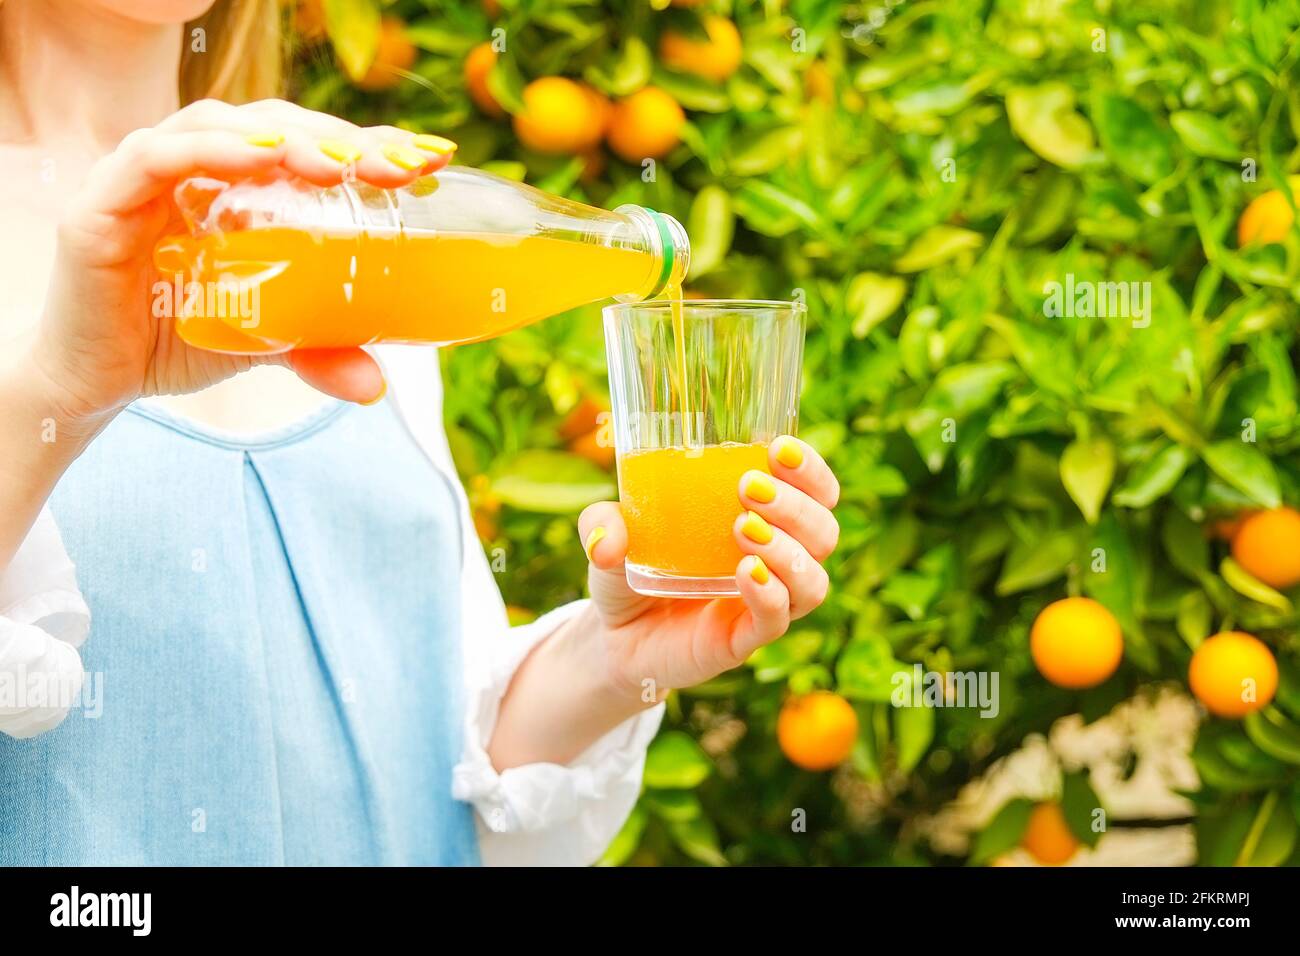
1048	356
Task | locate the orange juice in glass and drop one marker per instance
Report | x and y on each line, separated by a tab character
699	388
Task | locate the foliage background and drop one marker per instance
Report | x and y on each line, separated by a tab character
919	171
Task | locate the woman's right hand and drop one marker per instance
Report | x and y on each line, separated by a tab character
99	345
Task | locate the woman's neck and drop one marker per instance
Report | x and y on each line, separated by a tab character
77	75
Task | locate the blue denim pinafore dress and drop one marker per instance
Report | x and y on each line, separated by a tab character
276	639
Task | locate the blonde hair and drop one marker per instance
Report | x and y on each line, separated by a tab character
241	57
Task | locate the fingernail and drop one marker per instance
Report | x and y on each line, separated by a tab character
383	390
758	571
268	140
340	151
755	528
760	487
789	453
434	144
404	157
594	537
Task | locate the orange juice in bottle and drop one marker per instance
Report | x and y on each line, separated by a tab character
273	263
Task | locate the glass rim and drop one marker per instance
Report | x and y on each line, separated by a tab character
790	306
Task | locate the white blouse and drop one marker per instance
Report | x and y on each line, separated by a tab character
539	814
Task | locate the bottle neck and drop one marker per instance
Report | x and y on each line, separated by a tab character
667	242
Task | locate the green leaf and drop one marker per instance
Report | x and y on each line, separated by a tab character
552	482
1185	544
698	839
676	762
353	27
1087	468
1131	138
1045	118
753	154
1193	618
1205	135
913	732
866	670
1036	561
677	806
936	245
1271	731
773	662
1003	832
1079	803
1153	478
710	226
1246	468
1244	583
1272	834
871	298
626	840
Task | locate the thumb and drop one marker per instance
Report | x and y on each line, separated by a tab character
603	535
350	374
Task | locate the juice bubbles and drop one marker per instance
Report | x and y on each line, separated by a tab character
272	263
680	505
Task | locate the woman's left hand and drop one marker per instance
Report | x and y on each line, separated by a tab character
785	528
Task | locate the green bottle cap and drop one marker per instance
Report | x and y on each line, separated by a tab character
668	249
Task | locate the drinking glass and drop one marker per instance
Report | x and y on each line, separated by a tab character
699	388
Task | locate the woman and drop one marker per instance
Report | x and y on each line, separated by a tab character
297	653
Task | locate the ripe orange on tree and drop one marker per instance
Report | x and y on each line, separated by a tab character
714	59
1268	218
1047	836
309	19
817	731
561	116
395	52
1267	545
478	64
645	125
1233	674
1076	643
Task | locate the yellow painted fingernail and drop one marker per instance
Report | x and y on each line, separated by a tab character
264	139
434	144
759	487
339	150
401	156
789	453
755	528
594	537
758	571
383	390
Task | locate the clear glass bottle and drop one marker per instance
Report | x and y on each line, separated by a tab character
273	263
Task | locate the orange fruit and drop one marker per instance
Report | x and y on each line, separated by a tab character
478	64
309	19
818	84
1047	836
645	125
395	53
714	59
1076	643
492	8
583	417
817	731
1233	674
595	447
561	116
1267	545
1268	217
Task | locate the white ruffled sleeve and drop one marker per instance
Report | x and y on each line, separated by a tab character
537	814
43	620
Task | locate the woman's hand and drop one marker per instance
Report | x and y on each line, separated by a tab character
626	651
785	528
99	345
